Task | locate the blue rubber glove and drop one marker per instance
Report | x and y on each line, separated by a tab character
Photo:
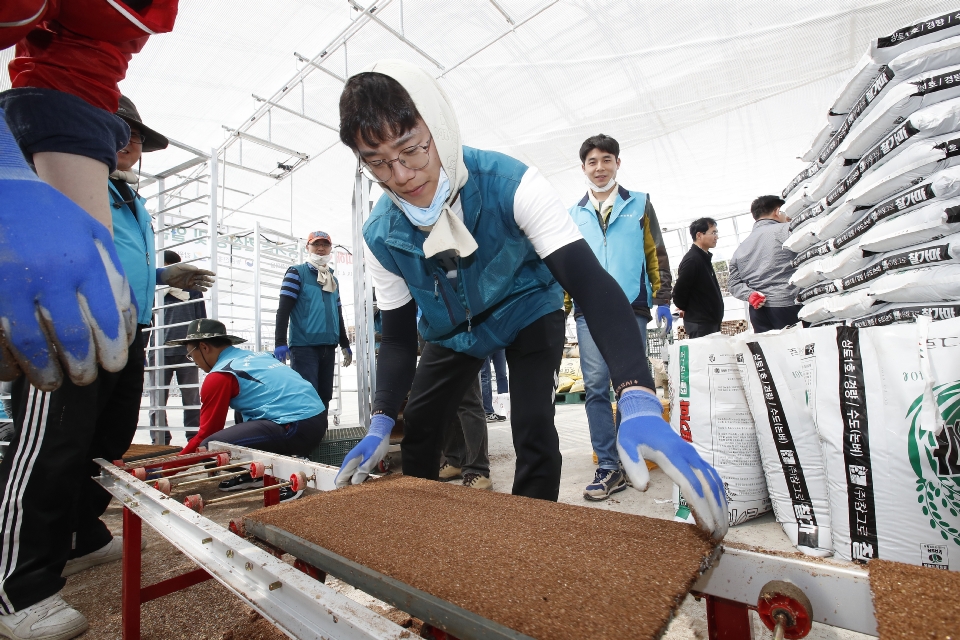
281	353
644	434
65	303
347	356
663	313
364	457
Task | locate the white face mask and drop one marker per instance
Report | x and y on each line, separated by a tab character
319	261
593	187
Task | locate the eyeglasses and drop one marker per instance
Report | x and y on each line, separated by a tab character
413	158
137	138
189	354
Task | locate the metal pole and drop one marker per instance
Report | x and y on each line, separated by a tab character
368	292
214	186
257	302
156	376
366	349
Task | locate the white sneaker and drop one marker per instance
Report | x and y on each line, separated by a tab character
109	552
50	619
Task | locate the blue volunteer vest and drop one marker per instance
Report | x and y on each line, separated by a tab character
133	237
269	390
314	320
500	289
621	251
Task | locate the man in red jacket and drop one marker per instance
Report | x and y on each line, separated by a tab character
65	305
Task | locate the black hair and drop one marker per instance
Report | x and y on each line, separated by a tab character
599	141
171	257
764	206
701	225
375	108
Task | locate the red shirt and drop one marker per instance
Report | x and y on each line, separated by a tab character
215	395
81	47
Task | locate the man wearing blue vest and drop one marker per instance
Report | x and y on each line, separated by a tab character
310	305
484	246
622	230
281	411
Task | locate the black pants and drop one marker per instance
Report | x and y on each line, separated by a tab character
294	439
444	376
46	489
187	374
768	318
315	365
700	329
465	439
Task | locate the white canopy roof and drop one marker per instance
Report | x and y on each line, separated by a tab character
710	101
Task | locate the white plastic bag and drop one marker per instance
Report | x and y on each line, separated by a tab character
804	175
925	284
709	409
870	388
916	162
853	304
843	263
807	274
815	311
888	314
932	29
927	102
943	184
935	220
780	379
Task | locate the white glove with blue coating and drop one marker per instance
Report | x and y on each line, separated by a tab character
645	435
364	457
65	303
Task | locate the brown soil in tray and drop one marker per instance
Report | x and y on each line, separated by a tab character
914	602
144	451
547	570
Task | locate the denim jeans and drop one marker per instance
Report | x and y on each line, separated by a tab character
499	360
596	382
315	365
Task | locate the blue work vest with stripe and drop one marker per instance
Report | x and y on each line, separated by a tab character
500	289
314	320
621	249
133	237
269	390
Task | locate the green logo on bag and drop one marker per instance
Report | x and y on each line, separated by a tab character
936	461
684	372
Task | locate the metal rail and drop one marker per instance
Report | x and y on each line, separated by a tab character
298	604
840	595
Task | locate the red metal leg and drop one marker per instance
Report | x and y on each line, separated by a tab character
727	620
270	498
172	585
130	572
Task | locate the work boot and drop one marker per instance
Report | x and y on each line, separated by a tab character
605	483
477	481
449	472
240	483
49	619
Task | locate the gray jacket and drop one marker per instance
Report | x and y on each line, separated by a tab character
761	264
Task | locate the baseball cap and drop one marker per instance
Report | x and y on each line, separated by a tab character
316	236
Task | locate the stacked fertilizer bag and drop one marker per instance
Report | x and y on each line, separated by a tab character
859	434
710	410
874	217
780	383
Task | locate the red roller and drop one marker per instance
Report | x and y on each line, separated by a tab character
223	459
201	449
298	481
119	463
782	604
194	502
163	486
257	469
139	473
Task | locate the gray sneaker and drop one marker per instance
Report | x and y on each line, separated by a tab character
605	483
49	619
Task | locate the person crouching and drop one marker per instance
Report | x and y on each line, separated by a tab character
281	411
